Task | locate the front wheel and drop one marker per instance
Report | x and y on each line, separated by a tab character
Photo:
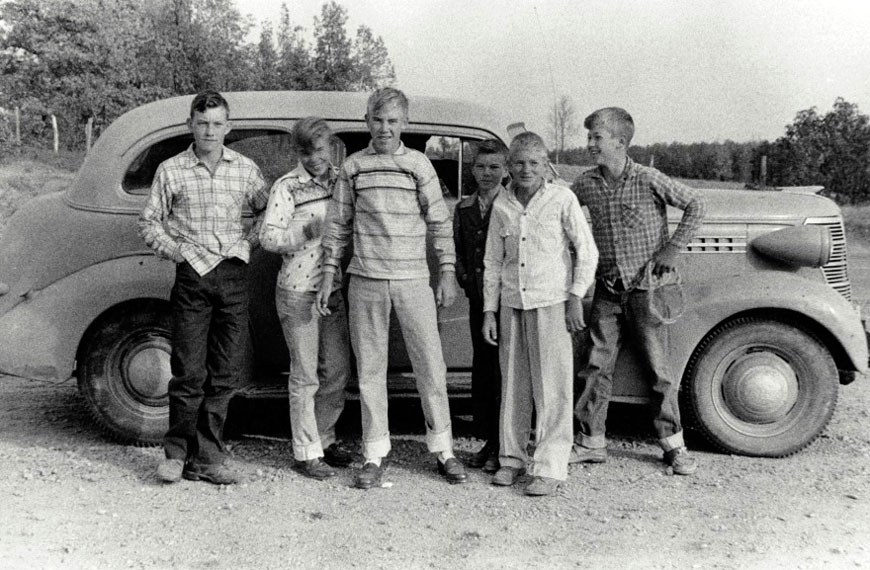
761	387
123	372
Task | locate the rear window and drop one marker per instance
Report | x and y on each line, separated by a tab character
271	150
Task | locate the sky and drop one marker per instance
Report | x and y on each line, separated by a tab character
688	71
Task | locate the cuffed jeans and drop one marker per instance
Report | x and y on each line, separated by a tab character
485	378
319	368
210	317
370	302
615	315
537	366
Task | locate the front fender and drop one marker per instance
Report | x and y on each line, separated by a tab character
710	303
42	332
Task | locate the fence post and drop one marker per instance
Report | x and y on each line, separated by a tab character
17	126
89	132
56	135
764	171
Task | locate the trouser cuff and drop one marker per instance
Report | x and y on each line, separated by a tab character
376	448
308	451
672	441
439	441
591	441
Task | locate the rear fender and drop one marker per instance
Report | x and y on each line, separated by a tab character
41	334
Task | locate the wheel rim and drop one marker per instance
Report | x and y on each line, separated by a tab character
145	368
756	390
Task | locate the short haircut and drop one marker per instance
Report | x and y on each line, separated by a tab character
306	132
614	120
528	141
208	99
491	146
383	97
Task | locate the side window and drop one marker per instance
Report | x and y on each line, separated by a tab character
271	150
445	153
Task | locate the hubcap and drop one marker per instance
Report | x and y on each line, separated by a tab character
760	387
147	372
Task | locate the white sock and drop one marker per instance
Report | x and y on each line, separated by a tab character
375	460
443	456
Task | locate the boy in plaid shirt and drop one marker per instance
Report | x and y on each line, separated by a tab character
628	206
193	216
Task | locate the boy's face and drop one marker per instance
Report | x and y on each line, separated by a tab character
528	168
385	126
604	146
489	170
209	129
316	159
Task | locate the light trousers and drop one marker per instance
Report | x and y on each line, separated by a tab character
535	352
413	301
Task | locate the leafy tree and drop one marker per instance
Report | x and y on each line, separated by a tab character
332	51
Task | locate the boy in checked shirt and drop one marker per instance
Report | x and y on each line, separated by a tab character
539	282
318	344
628	206
193	216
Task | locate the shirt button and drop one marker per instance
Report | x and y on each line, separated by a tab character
522	264
524	239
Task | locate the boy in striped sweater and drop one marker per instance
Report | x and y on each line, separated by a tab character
386	200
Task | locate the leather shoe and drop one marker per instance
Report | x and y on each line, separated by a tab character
169	470
478	459
315	468
507	476
369	476
337	456
215	474
541	486
680	461
492	464
453	471
580	454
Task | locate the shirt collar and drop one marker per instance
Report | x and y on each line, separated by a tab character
227	155
630	165
400	150
304	176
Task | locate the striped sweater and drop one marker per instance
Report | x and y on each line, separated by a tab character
387	204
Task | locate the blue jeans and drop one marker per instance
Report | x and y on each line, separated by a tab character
414	303
319	368
210	319
615	316
485	378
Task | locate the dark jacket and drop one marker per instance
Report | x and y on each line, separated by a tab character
469	235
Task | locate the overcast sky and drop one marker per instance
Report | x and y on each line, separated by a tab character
688	71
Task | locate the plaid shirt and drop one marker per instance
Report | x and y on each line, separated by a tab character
297	200
195	216
528	259
387	203
629	220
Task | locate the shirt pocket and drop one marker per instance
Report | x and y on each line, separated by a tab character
632	214
546	232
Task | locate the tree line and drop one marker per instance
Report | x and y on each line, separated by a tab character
830	149
82	60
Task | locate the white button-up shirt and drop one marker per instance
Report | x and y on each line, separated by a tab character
539	254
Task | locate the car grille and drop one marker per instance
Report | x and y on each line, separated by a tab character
717	244
836	270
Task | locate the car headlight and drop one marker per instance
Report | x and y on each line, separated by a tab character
808	246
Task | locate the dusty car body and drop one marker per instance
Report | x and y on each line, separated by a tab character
767	335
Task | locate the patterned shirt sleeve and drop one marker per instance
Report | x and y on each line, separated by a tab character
437	216
278	233
339	221
156	211
683	197
257	195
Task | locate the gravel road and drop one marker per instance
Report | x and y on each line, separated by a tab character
73	499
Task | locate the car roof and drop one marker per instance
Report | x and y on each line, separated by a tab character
107	159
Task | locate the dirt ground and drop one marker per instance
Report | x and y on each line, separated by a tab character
71	498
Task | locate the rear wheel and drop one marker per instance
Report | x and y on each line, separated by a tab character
760	387
123	372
